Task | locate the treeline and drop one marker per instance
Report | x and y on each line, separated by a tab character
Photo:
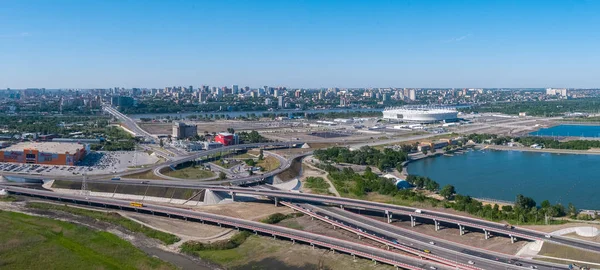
61	125
555	144
525	209
383	160
531	140
539	108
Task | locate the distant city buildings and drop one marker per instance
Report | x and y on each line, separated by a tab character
553	92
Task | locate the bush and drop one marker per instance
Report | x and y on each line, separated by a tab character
192	246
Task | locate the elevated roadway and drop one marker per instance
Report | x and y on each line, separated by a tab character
355	249
464	223
447	249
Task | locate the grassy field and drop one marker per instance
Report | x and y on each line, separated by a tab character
112	218
269	163
144	175
190	172
259	252
317	185
8	198
30	242
558	251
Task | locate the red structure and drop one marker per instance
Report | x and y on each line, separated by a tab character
225	139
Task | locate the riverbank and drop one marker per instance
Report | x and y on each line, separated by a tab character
543	150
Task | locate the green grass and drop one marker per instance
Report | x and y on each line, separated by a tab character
144	175
8	198
190	172
558	251
278	217
317	185
269	163
112	218
235	255
30	242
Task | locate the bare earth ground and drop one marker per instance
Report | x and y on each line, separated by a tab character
179	227
245	210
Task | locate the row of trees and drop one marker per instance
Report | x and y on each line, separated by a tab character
531	140
525	209
383	160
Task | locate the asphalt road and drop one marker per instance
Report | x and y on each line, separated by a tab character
461	253
362	250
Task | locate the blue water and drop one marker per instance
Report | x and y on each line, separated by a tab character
559	178
569	130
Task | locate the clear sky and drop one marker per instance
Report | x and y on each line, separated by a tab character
371	43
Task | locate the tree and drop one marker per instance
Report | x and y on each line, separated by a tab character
447	191
261	155
222	176
572	210
424	151
524	202
230	130
161	143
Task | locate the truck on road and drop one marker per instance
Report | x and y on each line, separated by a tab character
418	211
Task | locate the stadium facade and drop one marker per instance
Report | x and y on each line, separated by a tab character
420	114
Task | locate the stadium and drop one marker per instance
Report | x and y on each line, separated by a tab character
420	114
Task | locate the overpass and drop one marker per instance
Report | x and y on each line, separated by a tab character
354	249
389	210
413	240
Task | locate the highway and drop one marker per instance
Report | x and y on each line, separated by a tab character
461	253
456	220
357	249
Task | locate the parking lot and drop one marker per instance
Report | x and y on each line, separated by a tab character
93	163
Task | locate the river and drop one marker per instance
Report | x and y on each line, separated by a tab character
588	131
559	178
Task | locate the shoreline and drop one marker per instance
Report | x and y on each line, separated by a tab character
543	150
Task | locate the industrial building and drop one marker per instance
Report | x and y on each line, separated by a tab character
50	153
420	114
182	130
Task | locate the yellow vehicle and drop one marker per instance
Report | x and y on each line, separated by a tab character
136	204
426	251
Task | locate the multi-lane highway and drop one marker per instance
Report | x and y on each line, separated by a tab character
456	220
411	239
352	248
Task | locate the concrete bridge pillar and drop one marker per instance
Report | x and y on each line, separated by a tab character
513	239
412	221
293	241
389	217
276	201
232	196
437	225
342	206
461	229
353	258
486	234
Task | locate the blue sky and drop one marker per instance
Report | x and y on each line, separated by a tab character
419	43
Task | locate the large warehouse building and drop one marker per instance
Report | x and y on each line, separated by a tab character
49	153
420	114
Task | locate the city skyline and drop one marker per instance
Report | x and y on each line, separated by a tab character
310	44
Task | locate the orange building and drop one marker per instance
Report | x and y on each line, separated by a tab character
48	153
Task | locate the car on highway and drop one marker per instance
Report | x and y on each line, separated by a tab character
432	267
471	262
432	243
427	251
547	236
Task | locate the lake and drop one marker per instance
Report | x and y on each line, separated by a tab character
559	178
569	130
